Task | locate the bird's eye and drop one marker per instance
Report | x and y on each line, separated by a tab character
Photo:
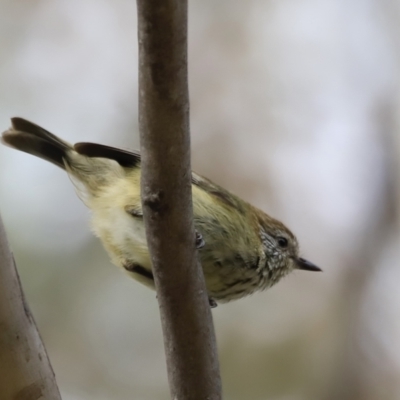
282	242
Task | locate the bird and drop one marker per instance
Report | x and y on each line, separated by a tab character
241	248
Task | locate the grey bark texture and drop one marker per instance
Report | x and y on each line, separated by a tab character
25	370
189	337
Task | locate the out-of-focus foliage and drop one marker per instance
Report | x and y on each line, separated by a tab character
294	108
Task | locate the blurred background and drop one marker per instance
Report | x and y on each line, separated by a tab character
294	107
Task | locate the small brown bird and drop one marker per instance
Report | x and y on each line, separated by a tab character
241	248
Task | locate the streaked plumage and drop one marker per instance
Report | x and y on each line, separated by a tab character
244	249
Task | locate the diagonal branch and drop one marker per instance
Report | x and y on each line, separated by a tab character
25	370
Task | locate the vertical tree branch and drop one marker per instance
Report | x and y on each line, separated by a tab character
189	337
25	370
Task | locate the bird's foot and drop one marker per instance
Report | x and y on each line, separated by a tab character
199	241
212	302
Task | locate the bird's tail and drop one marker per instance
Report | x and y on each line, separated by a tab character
31	138
88	174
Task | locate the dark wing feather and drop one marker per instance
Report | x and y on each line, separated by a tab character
217	191
129	159
122	157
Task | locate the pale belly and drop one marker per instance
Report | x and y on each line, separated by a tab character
227	276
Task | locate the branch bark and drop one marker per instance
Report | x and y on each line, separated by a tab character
189	338
25	370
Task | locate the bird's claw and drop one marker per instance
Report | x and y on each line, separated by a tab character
212	302
199	241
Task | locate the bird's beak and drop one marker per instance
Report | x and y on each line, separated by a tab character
306	265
